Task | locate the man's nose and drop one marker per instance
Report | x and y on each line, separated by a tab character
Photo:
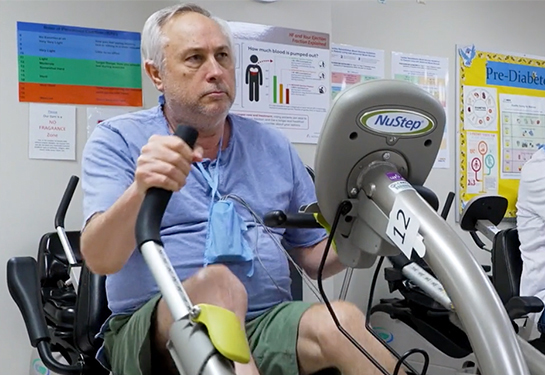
214	69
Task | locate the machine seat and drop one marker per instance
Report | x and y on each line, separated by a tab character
91	311
506	264
52	262
506	273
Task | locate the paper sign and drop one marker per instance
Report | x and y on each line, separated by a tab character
403	226
52	132
283	78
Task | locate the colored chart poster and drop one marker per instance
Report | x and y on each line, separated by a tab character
283	78
522	122
501	117
352	65
482	153
430	73
76	65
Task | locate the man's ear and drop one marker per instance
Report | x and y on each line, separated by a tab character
154	74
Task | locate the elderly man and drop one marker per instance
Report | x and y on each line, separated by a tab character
188	55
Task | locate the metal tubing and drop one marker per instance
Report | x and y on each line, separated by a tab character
487	228
66	246
193	352
75	270
346	283
477	304
169	284
534	358
218	365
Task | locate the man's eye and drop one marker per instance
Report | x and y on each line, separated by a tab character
194	58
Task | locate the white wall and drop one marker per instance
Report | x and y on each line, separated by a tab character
434	29
30	189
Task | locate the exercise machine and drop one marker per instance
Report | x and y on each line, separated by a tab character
419	318
422	317
366	191
54	283
379	139
204	339
481	216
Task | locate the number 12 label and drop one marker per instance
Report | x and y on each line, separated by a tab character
403	228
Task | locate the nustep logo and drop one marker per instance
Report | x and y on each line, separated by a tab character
397	122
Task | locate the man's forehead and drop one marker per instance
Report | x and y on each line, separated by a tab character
191	22
195	31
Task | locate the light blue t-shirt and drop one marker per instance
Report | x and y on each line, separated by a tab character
259	165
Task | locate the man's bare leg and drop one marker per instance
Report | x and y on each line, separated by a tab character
215	285
320	344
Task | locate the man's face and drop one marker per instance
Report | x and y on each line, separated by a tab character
198	78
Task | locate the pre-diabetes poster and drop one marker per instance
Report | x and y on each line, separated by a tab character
501	102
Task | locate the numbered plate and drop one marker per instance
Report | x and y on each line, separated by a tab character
403	226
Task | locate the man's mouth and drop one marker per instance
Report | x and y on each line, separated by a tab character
215	93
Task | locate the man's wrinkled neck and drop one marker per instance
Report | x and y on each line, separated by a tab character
210	134
210	140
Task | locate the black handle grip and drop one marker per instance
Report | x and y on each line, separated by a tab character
518	307
279	219
24	288
65	201
148	221
477	240
44	350
448	204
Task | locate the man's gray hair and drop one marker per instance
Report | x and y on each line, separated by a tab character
153	39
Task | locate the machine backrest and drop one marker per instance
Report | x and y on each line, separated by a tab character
52	262
91	307
506	264
91	311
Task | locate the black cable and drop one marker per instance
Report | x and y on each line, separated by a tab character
409	353
477	240
344	207
372	291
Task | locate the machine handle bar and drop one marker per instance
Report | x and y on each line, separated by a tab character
148	221
65	201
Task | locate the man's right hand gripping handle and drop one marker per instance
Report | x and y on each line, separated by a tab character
148	222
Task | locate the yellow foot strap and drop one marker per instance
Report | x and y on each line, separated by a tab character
225	332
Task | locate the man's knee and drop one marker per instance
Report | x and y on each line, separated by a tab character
216	273
217	285
320	340
349	316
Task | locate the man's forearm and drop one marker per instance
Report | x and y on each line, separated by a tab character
108	239
332	264
309	259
